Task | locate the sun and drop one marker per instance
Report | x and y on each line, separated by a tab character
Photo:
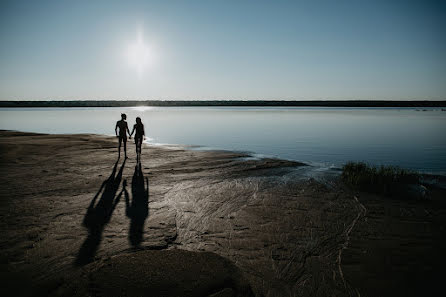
138	55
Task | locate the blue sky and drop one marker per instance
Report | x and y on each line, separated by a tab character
284	50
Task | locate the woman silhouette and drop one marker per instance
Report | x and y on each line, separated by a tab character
139	136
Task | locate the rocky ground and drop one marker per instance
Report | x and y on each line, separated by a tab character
77	221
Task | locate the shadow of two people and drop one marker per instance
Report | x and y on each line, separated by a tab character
99	214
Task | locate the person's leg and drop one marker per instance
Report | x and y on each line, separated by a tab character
119	147
137	149
125	147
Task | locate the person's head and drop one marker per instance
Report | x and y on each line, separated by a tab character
138	120
123	116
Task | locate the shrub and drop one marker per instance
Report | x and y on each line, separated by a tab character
387	180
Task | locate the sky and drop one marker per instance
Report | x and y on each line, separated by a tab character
217	50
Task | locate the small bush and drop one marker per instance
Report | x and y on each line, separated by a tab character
387	180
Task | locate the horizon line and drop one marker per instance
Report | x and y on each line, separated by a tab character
240	103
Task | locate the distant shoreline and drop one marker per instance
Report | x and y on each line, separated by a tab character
228	103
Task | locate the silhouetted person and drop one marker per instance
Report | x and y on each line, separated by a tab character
139	136
99	215
122	135
138	210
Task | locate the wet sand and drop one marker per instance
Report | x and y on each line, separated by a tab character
77	221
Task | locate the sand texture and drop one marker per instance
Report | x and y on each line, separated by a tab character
75	221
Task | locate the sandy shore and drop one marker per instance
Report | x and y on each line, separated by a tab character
77	221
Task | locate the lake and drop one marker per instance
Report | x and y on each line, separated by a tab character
407	137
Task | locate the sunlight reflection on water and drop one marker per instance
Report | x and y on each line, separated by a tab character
324	136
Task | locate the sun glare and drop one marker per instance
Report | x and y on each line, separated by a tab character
138	55
143	108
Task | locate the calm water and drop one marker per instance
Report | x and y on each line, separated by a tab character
324	136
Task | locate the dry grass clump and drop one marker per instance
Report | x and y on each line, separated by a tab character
386	180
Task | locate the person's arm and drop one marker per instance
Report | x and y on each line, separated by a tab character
91	206
127	128
116	129
127	200
143	133
128	131
132	131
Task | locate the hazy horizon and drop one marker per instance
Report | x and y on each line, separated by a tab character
231	50
231	99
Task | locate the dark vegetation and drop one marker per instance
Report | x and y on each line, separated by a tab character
128	103
385	180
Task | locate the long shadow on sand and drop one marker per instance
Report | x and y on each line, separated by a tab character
138	210
98	216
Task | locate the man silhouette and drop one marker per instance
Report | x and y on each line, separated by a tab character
122	135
